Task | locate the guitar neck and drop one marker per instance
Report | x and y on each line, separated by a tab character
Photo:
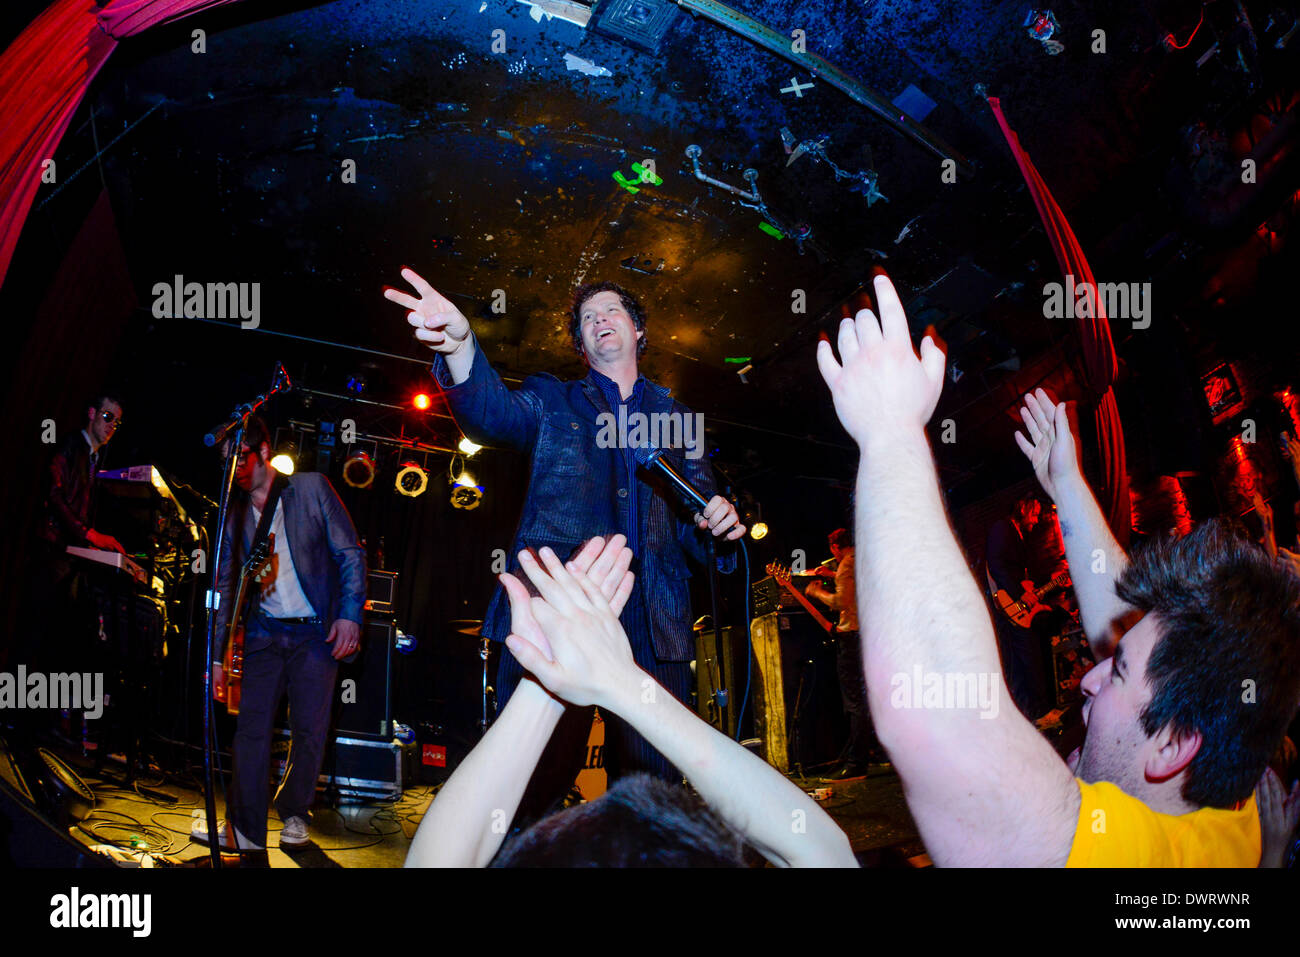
241	599
802	599
1056	583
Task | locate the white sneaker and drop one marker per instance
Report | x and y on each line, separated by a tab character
294	835
199	833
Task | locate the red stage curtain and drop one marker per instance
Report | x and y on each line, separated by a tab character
44	75
1099	362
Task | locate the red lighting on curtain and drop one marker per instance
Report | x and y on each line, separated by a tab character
44	75
1099	364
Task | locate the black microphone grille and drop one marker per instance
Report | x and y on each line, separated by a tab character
646	455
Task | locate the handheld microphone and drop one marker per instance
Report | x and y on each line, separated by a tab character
653	460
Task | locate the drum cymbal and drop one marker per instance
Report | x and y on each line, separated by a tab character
467	626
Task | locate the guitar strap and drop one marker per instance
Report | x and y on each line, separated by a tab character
264	524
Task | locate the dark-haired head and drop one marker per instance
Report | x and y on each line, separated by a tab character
630	302
639	822
1224	661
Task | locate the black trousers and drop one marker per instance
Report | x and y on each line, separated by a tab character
280	657
1026	661
853	694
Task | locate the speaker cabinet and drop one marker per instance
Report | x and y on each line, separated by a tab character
366	685
707	676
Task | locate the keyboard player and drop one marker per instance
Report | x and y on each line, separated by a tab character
67	519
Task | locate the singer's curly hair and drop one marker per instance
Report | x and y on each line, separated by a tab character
630	302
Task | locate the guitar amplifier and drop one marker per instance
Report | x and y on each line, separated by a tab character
766	595
365	686
381	592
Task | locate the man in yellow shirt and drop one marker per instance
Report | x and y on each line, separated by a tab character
1183	712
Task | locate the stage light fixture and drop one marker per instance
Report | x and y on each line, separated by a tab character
411	480
758	531
468	447
422	401
359	470
282	463
466	497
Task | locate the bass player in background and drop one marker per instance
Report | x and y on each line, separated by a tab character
860	748
1025	647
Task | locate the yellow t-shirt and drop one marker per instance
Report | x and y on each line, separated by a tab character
1117	830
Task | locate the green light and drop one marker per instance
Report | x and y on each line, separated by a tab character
738	360
647	175
771	230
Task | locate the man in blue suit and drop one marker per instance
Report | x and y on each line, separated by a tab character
584	482
303	618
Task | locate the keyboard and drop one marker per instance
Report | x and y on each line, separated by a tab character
112	559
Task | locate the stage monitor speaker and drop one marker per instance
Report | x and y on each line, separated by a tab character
27	838
707	676
366	685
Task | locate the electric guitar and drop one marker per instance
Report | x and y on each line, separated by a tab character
1020	611
782	576
228	674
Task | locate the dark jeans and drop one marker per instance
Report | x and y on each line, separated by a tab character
279	656
853	693
1025	661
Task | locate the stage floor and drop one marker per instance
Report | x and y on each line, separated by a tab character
155	810
153	813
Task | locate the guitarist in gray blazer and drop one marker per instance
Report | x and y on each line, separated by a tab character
303	618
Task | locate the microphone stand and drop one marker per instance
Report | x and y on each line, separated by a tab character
720	694
235	424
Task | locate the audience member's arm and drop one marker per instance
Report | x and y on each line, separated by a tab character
468	820
982	785
593	664
1096	558
1265	513
1292	445
1279	813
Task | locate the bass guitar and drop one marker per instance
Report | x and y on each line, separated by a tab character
782	577
1020	611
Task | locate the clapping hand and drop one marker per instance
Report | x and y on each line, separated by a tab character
570	637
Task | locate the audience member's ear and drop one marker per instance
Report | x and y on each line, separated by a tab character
1174	751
